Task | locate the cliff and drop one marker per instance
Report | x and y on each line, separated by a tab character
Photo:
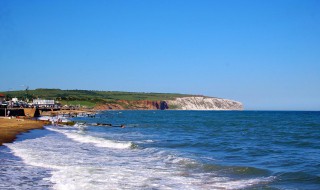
204	103
182	103
134	105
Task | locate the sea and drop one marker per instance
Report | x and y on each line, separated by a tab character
169	150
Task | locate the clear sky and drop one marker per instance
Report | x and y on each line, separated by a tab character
265	53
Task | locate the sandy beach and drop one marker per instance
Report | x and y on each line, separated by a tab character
10	128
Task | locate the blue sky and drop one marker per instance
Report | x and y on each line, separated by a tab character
265	54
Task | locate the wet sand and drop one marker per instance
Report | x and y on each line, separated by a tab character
10	128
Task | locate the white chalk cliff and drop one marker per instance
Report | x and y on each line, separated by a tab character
203	103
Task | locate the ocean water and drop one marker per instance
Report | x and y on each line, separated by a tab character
169	150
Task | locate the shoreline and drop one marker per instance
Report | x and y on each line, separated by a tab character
10	128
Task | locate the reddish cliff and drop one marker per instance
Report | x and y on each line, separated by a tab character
109	106
134	105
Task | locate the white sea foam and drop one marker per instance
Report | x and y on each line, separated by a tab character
97	141
53	118
241	184
89	167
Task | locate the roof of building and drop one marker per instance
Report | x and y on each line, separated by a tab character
2	95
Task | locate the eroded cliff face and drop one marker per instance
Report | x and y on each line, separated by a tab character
204	103
134	105
183	103
144	105
109	106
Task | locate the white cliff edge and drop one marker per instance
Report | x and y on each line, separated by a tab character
203	103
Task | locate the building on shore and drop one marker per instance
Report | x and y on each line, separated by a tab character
43	103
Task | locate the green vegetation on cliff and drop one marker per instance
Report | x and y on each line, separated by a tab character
88	98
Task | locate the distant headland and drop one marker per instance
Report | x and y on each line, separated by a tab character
114	100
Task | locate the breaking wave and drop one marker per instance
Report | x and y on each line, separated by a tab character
79	136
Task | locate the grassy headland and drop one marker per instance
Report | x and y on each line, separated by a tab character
88	98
